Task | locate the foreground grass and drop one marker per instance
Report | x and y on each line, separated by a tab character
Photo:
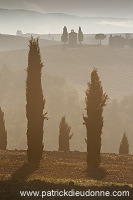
59	170
116	169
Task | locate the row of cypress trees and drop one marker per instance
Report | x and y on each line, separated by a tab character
95	101
64	138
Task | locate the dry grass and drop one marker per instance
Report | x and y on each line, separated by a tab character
61	171
65	167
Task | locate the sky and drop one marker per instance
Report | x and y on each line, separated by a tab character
109	10
90	8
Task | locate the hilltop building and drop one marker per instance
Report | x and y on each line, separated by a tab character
73	39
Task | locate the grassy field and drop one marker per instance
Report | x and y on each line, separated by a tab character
63	170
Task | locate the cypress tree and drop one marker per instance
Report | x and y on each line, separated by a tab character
80	35
95	101
64	37
35	103
64	135
110	40
3	132
124	146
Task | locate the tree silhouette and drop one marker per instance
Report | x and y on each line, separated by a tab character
64	135
110	40
3	133
100	37
124	146
95	101
80	35
64	37
35	103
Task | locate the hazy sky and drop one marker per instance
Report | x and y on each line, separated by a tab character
95	8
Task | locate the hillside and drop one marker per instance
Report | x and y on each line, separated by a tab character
11	42
66	169
115	66
64	81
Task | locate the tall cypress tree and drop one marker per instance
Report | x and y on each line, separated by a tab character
124	146
64	135
3	133
80	35
35	103
64	37
95	101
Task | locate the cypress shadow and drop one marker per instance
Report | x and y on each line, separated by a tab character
96	173
24	171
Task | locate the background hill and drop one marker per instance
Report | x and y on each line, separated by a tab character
11	42
75	65
64	79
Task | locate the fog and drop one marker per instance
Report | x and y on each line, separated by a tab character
95	8
45	23
64	80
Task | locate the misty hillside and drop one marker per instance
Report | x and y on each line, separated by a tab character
35	22
64	81
115	66
11	42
